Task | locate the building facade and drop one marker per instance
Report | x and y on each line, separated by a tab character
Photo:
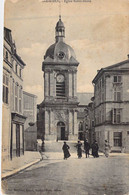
12	108
89	122
84	99
29	108
57	114
30	126
111	93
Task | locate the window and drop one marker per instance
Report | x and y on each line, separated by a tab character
12	95
117	79
16	67
20	100
60	86
16	97
93	124
6	56
116	116
5	88
118	139
117	94
20	72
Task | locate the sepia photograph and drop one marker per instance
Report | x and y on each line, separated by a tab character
65	97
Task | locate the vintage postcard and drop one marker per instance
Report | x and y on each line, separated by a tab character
65	97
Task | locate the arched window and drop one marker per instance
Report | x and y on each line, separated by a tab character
60	86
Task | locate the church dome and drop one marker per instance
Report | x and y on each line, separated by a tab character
60	51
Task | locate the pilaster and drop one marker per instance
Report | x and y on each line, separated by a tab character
47	122
75	123
51	88
70	83
46	83
70	122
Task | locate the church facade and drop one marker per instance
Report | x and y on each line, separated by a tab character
57	114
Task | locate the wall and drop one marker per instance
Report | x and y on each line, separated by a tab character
29	108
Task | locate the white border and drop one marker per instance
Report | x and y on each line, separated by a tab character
1	72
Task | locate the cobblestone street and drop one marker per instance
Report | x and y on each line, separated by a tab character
91	176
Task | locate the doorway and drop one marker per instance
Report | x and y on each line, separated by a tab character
61	135
17	140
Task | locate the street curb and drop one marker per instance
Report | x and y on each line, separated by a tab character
11	173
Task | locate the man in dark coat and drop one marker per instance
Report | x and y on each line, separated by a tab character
86	147
95	149
65	149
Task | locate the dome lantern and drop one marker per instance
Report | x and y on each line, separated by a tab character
59	30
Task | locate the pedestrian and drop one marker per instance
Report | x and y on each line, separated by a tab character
41	149
65	149
86	147
95	149
79	149
107	148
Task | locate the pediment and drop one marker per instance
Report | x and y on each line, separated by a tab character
120	66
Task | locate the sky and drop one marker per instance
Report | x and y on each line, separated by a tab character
98	31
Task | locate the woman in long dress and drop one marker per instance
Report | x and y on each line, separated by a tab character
65	149
107	148
79	149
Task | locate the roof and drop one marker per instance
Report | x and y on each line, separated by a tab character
8	38
7	35
121	66
60	53
19	59
84	98
29	94
59	23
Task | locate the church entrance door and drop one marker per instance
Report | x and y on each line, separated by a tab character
61	131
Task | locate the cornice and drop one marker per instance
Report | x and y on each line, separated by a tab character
116	102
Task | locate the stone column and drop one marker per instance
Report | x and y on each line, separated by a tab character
46	123
75	83
52	129
54	84
46	84
70	84
18	87
13	96
51	83
75	123
70	122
